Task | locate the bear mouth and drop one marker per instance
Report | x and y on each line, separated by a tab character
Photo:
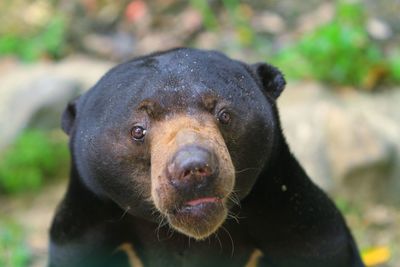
198	218
199	208
199	201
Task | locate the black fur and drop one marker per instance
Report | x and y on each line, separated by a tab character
282	213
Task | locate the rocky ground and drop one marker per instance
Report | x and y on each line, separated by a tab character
34	213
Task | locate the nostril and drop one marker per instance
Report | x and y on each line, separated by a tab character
205	171
187	173
200	172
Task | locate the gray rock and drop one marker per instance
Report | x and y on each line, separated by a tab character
36	95
37	103
117	46
347	142
268	22
379	29
302	110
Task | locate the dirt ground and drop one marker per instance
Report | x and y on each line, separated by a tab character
34	213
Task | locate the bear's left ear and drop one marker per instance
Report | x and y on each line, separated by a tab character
68	116
271	78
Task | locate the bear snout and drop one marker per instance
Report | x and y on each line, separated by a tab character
192	174
193	171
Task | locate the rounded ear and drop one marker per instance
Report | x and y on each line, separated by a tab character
68	116
271	78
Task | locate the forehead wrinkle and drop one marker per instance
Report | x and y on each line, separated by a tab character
209	101
152	108
196	99
172	124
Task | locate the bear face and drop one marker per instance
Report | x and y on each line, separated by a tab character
164	139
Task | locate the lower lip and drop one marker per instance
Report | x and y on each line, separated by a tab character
198	209
203	200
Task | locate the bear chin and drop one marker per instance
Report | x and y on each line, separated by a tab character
198	221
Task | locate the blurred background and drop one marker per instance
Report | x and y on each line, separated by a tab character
340	111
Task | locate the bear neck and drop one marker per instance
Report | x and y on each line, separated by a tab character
97	206
282	173
78	192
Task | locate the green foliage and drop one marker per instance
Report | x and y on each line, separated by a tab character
13	250
209	19
340	52
241	22
394	65
48	41
238	14
34	156
343	205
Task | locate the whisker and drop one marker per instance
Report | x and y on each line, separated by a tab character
230	237
247	169
219	240
234	198
125	212
234	217
122	216
162	223
170	232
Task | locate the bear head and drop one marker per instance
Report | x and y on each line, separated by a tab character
177	136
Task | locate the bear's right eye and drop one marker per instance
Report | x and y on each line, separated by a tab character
138	133
224	117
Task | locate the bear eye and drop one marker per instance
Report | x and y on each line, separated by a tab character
138	133
224	117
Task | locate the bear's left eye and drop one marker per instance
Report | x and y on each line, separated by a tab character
224	117
138	133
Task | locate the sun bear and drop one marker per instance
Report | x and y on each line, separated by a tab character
178	159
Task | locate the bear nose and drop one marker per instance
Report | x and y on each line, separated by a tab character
192	170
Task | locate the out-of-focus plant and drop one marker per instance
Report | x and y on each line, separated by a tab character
49	42
238	15
31	30
340	52
209	18
346	207
13	250
394	65
35	156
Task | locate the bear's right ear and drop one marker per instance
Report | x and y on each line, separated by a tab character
270	77
68	116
